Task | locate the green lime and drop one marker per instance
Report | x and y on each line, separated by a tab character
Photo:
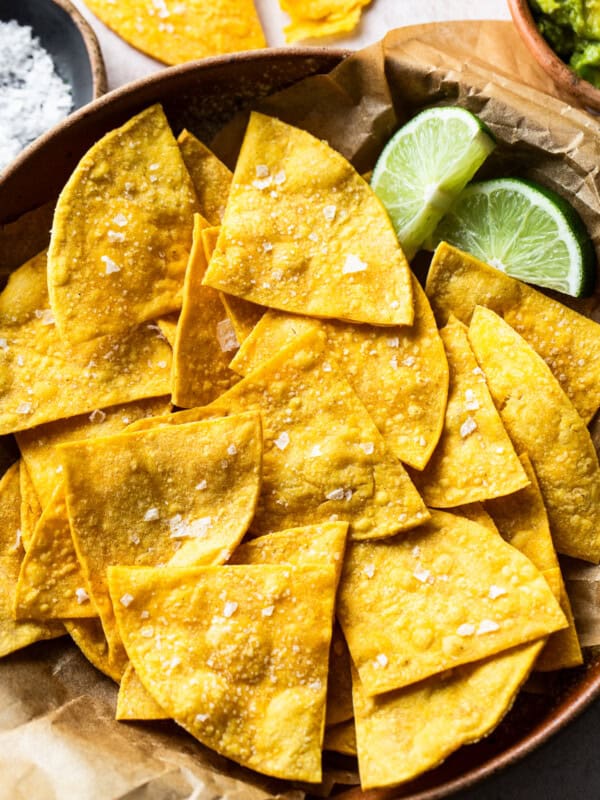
423	168
524	230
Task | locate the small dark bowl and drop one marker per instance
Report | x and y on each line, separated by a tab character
68	39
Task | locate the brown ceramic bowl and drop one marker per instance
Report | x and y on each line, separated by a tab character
567	82
203	96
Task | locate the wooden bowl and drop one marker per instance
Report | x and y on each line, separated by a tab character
203	96
568	83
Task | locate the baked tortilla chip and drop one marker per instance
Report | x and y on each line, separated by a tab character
122	232
321	18
15	635
341	738
339	682
211	178
31	509
184	494
562	650
303	232
400	374
174	32
202	350
242	314
476	513
43	379
413	606
168	327
474	459
134	701
542	421
88	635
51	583
568	342
401	734
244	670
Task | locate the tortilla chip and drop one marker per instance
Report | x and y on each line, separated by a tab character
251	685
542	422
339	681
413	606
562	650
88	635
568	342
474	459
400	374
184	494
211	178
401	734
15	635
321	18
341	738
168	327
304	233
175	32
323	454
51	581
43	379
38	446
476	513
134	702
202	350
122	232
242	314
31	510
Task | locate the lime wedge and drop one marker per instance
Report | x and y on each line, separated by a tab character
423	168
526	231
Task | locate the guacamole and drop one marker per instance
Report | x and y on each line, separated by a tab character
572	29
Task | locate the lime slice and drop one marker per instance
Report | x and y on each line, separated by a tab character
526	231
423	168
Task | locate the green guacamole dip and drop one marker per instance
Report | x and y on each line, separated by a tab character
572	29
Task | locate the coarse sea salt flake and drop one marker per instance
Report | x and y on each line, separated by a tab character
230	608
226	336
315	451
232	450
353	264
201	486
82	596
381	660
200	718
393	341
267	611
126	600
147	632
496	591
282	441
3	344
369	570
151	515
115	236
467	428
97	416
487	626
24	408
423	575
329	212
368	448
335	494
466	629
109	265
120	220
46	316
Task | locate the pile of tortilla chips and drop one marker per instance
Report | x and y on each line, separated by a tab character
271	486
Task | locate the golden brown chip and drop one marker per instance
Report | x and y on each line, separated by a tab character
321	18
341	738
204	342
562	649
134	701
476	513
304	233
400	374
122	232
542	422
43	379
168	327
242	314
339	681
211	178
31	509
567	341
244	670
474	459
88	635
175	32
451	593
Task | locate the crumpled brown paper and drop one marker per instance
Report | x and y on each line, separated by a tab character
58	737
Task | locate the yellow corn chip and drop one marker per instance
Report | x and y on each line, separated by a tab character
175	32
413	606
251	685
341	738
203	343
567	341
51	581
475	458
43	379
476	513
562	649
15	635
321	18
323	453
168	327
31	509
184	493
242	314
401	734
542	422
134	702
211	178
304	233
400	374
339	682
38	446
89	637
122	232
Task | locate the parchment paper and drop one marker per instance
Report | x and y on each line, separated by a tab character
58	738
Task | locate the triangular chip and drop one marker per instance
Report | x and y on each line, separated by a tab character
303	232
400	374
474	459
248	683
44	379
542	421
321	18
122	232
168	326
339	682
242	314
401	734
476	513
182	493
31	509
413	606
341	738
88	635
562	650
15	635
211	178
134	701
201	354
567	341
51	581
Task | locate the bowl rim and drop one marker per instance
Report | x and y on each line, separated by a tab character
586	688
560	72
92	46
